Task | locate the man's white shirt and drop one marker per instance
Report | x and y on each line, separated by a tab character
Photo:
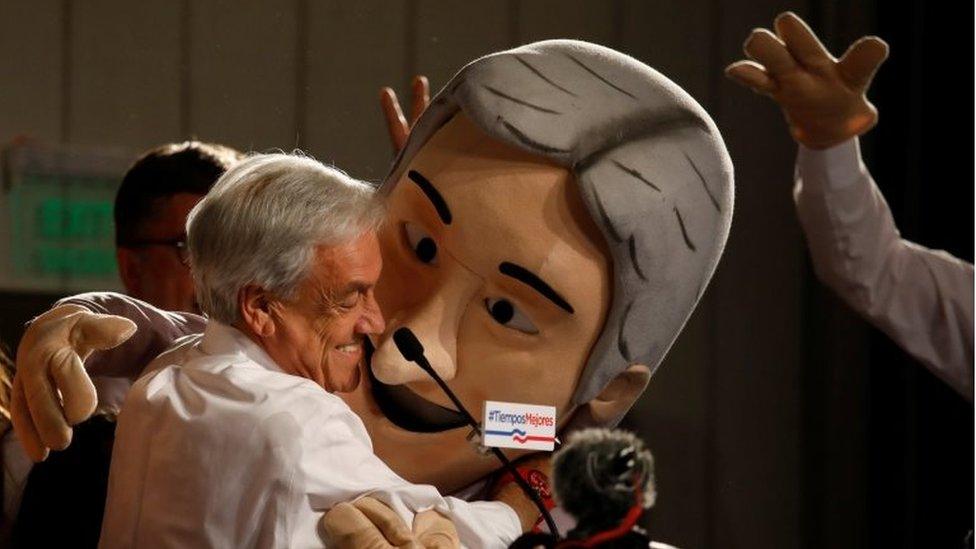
216	446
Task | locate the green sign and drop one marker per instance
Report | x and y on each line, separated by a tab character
61	226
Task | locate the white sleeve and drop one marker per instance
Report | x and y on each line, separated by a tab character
156	331
921	298
340	466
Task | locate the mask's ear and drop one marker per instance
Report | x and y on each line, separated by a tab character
616	398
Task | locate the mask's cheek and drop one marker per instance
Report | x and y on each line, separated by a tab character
404	281
512	367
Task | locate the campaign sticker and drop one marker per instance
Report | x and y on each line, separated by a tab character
522	426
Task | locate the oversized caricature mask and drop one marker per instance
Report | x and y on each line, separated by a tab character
553	220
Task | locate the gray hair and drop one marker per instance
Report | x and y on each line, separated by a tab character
651	167
261	222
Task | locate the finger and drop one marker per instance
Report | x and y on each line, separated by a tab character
751	75
345	527
438	540
421	98
24	425
384	518
45	410
859	63
396	124
435	530
78	397
800	41
769	51
94	332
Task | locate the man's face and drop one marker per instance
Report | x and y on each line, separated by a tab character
319	334
494	263
154	270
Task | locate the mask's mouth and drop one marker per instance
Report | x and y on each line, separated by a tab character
406	409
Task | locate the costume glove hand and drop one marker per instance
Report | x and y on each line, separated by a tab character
824	99
435	531
51	389
396	124
366	523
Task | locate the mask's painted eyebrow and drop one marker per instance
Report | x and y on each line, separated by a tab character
527	277
431	193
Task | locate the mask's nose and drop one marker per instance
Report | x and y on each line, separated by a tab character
434	320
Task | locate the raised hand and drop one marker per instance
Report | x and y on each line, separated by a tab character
824	99
51	389
396	124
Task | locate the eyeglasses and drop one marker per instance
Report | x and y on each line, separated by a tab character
179	244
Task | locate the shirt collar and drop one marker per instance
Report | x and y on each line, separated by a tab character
221	339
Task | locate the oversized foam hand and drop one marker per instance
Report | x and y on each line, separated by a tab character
824	99
51	389
396	123
366	522
435	531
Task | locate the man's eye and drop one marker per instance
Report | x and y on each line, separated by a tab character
508	315
350	301
421	243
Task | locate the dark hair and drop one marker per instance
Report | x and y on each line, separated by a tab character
188	167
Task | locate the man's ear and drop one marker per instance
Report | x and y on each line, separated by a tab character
617	397
129	270
256	306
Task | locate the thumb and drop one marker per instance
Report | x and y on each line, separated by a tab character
861	61
95	332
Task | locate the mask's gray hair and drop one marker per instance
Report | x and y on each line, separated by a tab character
261	222
651	166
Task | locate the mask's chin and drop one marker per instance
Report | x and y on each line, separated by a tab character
406	409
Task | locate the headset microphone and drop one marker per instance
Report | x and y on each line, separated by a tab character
412	350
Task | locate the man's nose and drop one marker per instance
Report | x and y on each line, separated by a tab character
435	321
371	322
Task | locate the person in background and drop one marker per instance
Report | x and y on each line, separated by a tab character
151	206
921	298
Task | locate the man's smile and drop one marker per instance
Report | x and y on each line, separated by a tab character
406	409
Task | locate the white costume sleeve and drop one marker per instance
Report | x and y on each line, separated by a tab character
156	331
921	298
340	465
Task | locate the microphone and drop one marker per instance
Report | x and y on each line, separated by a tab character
410	347
413	351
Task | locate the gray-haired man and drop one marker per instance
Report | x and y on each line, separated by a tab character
234	438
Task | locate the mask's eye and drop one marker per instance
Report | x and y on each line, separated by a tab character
421	243
508	315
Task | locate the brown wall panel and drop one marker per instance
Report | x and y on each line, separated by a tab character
577	20
449	34
242	76
124	81
353	50
755	381
674	37
30	70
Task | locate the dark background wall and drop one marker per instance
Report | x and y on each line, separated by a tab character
779	419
